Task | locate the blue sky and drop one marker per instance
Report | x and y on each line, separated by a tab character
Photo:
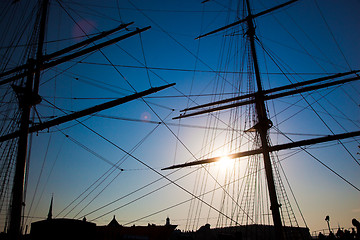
297	36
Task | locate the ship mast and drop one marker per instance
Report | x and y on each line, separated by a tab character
263	122
262	128
28	97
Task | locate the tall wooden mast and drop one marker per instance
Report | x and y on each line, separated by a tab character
263	122
262	128
28	97
25	97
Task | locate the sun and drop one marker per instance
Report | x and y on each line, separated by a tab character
225	162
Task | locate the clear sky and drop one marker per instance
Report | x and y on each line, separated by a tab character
310	38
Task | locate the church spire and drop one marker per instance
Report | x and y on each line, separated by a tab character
50	209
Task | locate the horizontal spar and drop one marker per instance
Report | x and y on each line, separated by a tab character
270	97
245	19
271	149
75	55
86	112
67	49
273	90
85	42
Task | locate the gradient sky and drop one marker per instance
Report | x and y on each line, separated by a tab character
305	38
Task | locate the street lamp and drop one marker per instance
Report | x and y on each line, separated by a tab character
327	219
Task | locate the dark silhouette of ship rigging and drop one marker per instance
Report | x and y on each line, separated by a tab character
28	98
263	122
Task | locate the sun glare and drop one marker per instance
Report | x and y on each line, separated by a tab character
225	162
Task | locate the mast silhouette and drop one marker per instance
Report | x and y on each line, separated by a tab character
28	97
262	128
263	122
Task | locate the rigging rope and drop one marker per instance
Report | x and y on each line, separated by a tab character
323	164
117	70
145	64
39	177
332	34
117	164
313	109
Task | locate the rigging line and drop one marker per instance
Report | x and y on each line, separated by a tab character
193	203
143	52
194	126
196	60
40	175
117	70
149	10
326	112
291	81
349	96
106	186
297	41
228	9
66	69
7	56
182	143
188	200
202	70
47	42
277	61
149	68
93	12
318	160
98	85
50	172
316	113
113	166
27	167
164	79
192	82
291	105
151	168
332	35
90	80
163	30
9	153
128	194
5	8
291	190
118	8
304	53
199	206
137	190
168	208
7	59
86	118
272	102
145	195
327	126
148	97
124	159
307	36
212	198
154	72
352	156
